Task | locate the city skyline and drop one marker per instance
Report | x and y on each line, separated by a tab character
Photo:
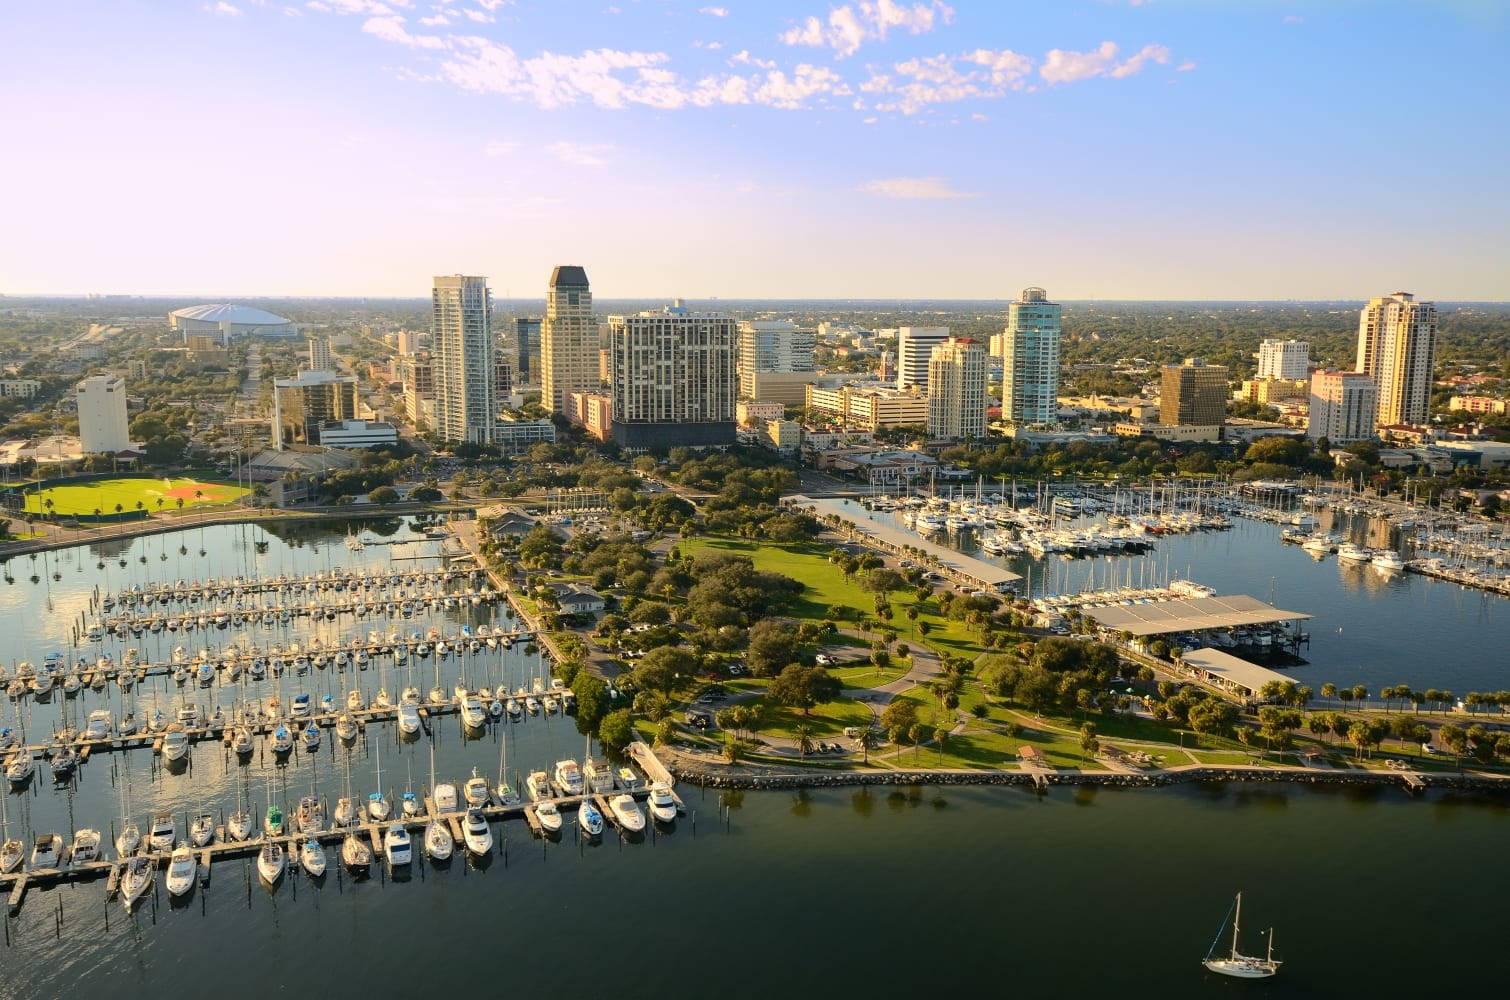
399	139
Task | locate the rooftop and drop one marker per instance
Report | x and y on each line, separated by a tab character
1190	615
1232	671
569	274
230	313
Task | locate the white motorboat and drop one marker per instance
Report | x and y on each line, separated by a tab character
1237	965
312	857
476	790
599	776
396	845
476	832
175	744
548	815
47	851
20	768
473	714
627	811
310	814
181	869
438	840
1388	562
1349	552
661	805
537	786
1319	544
99	725
163	833
568	777
589	819
238	825
408	718
355	854
136	880
270	863
445	797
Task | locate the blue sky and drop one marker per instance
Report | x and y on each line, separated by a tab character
869	148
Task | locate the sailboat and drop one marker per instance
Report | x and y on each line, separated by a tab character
378	806
506	793
438	840
12	852
588	816
136	879
1236	964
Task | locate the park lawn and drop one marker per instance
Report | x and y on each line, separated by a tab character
104	494
827	720
866	674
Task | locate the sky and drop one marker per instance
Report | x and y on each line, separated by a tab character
1111	149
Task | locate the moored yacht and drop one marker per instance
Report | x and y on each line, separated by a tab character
661	805
438	840
1387	562
181	869
627	811
548	815
567	777
163	832
136	880
312	857
476	832
396	845
475	791
270	863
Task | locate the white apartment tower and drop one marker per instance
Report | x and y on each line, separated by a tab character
320	357
957	390
1342	407
915	346
1286	359
1397	343
568	339
775	361
1030	359
461	335
674	378
102	415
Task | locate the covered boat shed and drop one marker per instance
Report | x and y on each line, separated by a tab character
1231	672
1195	614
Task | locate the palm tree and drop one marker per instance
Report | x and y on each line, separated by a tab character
140	506
804	736
1329	691
180	503
118	509
867	742
160	503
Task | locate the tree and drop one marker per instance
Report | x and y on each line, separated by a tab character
659	668
916	734
866	740
616	730
1455	738
804	734
1329	691
1090	744
800	686
383	495
772	645
665	732
899	716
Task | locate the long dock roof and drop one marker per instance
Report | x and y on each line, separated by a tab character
1190	615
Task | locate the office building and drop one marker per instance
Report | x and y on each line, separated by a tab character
1397	342
303	403
1194	393
320	357
503	377
356	434
103	428
568	339
527	344
514	436
461	335
915	346
957	390
775	361
869	408
674	380
1030	360
1342	407
1268	391
407	342
1284	359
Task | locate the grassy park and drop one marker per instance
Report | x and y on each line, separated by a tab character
112	496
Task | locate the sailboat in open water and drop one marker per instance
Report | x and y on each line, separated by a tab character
1236	964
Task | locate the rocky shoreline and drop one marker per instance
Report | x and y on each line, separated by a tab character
752	780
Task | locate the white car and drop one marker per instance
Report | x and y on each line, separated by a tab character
824	660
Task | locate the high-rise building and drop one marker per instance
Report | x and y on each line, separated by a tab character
1030	360
461	334
320	357
915	346
417	373
527	342
1342	407
1286	359
957	390
568	339
408	342
103	428
503	376
1397	343
674	380
1194	393
302	404
775	361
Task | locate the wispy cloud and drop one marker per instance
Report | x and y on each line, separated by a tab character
500	147
1065	66
852	25
580	154
222	9
1186	66
913	188
714	11
1294	19
390	28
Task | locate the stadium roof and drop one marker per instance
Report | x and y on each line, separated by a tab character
1191	615
229	313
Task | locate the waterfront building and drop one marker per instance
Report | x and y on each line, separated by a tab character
1284	359
775	361
1193	393
568	339
957	391
301	405
1030	359
915	346
1397	341
673	379
461	332
103	427
1342	407
320	357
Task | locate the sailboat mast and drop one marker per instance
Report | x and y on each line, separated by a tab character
1237	917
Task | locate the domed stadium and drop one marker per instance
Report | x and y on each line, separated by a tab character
229	322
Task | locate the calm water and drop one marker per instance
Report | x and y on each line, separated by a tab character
1366	629
831	892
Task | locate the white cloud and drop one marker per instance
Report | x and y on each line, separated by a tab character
791	93
1186	66
481	17
744	58
435	21
710	46
916	84
500	147
1294	19
913	188
714	11
579	154
978	117
852	25
391	29
372	8
1064	66
222	9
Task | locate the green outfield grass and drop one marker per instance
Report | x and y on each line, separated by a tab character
102	495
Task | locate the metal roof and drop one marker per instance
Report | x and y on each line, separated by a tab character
1230	670
229	313
1190	615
